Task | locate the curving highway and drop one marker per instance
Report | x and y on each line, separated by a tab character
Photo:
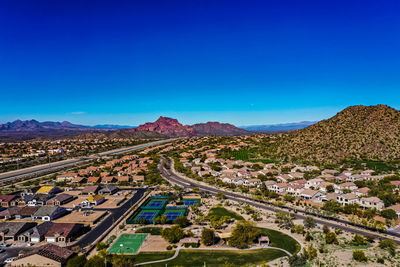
70	162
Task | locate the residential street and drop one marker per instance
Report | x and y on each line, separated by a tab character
175	179
104	225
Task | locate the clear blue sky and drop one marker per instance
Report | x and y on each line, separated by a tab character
243	62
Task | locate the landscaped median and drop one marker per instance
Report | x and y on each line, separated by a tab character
199	257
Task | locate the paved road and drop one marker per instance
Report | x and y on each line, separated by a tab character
70	162
12	252
105	224
172	177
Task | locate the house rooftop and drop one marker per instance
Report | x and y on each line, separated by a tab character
27	210
61	229
372	199
45	211
50	251
45	189
12	228
91	189
7	198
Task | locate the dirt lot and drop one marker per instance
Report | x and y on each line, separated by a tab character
88	218
154	243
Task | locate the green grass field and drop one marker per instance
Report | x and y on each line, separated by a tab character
197	258
150	230
281	240
219	212
153	256
128	244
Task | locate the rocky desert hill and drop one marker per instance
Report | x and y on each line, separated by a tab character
371	132
173	128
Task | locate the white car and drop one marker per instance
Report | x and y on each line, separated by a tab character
9	260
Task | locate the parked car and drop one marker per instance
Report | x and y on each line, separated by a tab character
9	260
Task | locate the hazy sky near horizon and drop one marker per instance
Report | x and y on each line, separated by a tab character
242	62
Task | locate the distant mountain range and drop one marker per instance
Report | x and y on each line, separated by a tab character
24	130
163	127
34	125
270	128
112	126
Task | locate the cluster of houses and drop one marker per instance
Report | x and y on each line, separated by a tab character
45	203
29	216
33	232
329	185
123	170
32	213
318	191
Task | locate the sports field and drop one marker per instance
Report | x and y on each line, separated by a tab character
173	214
156	203
190	202
128	244
149	215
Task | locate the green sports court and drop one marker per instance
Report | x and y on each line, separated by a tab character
128	244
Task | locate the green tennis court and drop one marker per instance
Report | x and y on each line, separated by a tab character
128	244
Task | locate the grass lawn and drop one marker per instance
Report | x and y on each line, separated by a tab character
219	212
281	240
153	256
150	230
196	258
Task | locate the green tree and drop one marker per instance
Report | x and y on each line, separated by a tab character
208	237
330	188
351	208
284	220
182	221
388	198
310	252
325	229
297	260
330	238
388	244
389	214
308	237
220	195
122	261
95	261
288	198
216	222
309	222
359	240
332	206
244	233
172	234
100	246
161	219
77	261
359	255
